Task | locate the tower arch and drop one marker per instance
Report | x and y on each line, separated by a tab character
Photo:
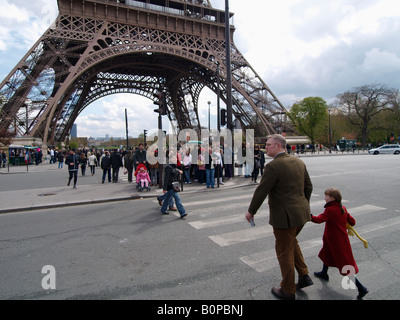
99	47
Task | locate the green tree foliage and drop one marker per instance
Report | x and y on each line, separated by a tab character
310	117
73	145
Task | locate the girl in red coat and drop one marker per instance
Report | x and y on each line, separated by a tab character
336	250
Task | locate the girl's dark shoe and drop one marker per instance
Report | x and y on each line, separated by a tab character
361	293
322	275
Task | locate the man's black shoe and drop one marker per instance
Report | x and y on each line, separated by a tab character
304	281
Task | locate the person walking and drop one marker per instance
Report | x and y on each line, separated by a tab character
129	164
257	164
92	163
210	168
336	250
228	161
60	158
262	162
187	165
289	187
116	163
72	161
140	156
3	159
201	166
52	159
171	175
83	162
153	170
105	164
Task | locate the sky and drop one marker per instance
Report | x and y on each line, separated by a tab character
300	48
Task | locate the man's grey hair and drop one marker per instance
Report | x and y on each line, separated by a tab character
279	139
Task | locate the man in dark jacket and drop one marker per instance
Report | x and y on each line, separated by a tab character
288	185
72	161
106	166
116	163
140	156
129	164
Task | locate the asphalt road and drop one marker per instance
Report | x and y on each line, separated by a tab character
128	250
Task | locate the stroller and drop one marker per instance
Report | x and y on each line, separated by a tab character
138	185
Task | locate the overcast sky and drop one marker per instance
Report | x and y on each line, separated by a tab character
300	48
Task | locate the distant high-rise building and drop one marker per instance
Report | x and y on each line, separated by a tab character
74	131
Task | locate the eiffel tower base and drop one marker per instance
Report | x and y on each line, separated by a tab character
97	48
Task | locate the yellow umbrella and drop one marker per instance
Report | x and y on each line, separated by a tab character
352	232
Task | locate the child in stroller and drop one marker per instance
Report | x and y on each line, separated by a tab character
142	178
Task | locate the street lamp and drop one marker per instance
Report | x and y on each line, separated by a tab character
126	129
228	68
218	98
209	103
329	134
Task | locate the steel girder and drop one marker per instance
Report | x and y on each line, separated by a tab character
109	47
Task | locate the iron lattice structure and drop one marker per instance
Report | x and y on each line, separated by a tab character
100	47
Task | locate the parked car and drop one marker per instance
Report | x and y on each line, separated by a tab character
387	148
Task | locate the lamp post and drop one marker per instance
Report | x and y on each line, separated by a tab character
209	103
126	128
228	68
329	134
218	98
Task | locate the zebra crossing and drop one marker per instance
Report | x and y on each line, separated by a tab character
228	213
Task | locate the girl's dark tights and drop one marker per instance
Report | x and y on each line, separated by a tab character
359	286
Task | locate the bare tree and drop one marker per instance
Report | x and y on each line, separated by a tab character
6	137
361	104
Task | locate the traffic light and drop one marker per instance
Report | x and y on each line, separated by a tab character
161	102
144	136
223	117
164	103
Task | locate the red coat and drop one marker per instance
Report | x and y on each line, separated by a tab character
336	250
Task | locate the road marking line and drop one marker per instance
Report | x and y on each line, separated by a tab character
265	260
364	209
209	201
202	224
256	233
234	237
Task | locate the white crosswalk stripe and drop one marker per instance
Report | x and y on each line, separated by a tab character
244	235
266	260
202	224
218	201
364	209
239	207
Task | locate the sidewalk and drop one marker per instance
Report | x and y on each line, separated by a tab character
43	198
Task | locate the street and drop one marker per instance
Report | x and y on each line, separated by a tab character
128	250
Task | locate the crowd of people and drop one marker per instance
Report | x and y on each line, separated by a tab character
209	167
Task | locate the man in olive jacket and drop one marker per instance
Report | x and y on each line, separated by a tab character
289	187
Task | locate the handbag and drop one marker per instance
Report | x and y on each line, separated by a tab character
175	186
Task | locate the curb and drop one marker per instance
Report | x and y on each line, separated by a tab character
107	200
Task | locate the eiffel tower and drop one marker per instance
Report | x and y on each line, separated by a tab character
97	48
